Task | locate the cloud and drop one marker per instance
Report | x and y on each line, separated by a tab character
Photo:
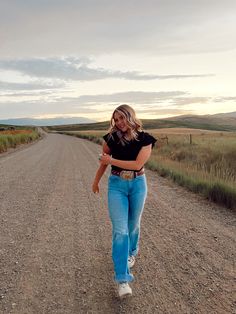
149	99
131	97
137	97
92	104
184	101
165	111
23	94
223	99
37	85
94	27
77	69
33	108
146	103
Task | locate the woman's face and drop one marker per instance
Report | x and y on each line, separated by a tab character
120	122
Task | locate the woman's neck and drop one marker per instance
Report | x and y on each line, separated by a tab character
127	136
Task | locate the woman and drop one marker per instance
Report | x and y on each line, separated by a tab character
126	148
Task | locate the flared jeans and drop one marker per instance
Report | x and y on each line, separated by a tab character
126	200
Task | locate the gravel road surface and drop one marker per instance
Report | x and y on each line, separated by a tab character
55	252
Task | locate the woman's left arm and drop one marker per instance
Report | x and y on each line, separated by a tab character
137	164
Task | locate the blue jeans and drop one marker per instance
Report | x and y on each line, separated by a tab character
126	200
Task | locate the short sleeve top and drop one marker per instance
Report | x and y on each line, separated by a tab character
130	150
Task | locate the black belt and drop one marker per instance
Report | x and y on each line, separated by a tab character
127	174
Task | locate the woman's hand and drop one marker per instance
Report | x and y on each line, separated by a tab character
95	188
105	159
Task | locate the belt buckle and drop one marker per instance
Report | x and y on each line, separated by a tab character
127	175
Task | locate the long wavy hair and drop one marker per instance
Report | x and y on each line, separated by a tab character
133	123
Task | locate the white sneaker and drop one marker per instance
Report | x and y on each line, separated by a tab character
131	261
124	290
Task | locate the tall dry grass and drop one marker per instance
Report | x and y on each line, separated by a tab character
204	162
13	138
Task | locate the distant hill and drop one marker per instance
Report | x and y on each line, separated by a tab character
217	122
228	118
229	115
45	122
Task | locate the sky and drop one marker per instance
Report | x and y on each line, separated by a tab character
72	58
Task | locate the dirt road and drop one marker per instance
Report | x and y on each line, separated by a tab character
56	240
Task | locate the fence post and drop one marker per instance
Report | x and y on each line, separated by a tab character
190	139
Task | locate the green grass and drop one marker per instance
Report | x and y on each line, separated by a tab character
11	141
214	190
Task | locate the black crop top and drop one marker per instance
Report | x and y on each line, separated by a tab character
130	150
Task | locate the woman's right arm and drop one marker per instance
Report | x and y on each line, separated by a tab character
97	178
101	170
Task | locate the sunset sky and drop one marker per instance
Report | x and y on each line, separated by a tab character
84	58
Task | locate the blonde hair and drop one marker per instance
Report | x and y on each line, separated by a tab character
133	123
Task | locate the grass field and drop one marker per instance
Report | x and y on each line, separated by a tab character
203	161
12	138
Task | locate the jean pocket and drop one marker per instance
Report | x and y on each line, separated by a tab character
113	179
